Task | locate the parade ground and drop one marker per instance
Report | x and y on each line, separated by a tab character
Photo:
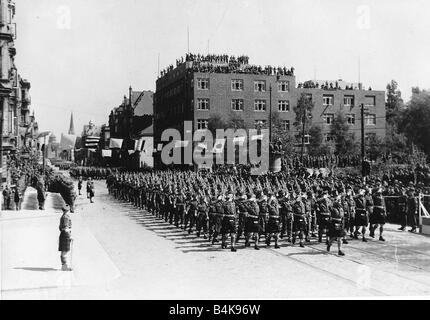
120	252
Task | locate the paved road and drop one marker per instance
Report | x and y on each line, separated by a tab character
140	257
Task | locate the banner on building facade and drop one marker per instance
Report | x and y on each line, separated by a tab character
91	142
107	153
68	141
115	143
140	144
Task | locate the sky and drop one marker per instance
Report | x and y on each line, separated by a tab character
81	56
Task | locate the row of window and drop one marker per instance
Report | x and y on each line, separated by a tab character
238	85
258	124
203	104
329	137
348	101
369	119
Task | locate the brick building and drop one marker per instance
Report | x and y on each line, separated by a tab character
202	86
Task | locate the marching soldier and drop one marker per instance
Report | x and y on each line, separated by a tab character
229	223
192	213
202	218
263	213
336	227
252	225
90	190
299	222
323	215
273	224
361	216
378	215
242	212
286	213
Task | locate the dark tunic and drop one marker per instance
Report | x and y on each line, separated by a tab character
274	223
361	216
379	213
65	238
299	223
336	228
252	224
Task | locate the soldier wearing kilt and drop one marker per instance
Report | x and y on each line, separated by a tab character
167	205
299	220
273	227
212	217
242	211
347	216
336	228
229	223
202	218
351	206
323	215
264	213
180	209
192	213
252	225
361	216
286	213
217	218
378	215
307	200
65	237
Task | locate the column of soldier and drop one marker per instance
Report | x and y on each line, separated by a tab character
282	207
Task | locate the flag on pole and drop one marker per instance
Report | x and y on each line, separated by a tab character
218	146
115	143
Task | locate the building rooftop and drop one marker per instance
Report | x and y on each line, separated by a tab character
225	64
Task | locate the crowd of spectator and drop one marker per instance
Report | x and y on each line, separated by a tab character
227	64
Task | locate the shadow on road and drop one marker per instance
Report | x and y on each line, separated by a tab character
37	269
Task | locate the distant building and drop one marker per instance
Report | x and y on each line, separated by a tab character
131	122
199	87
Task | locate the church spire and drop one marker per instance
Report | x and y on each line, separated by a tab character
72	127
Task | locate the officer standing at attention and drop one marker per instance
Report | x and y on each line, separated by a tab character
65	237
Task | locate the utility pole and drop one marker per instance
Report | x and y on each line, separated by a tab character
303	133
1	144
362	141
270	115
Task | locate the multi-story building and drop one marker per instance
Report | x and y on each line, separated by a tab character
131	122
17	127
200	87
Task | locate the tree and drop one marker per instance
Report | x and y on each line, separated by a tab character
394	103
315	140
281	135
215	122
344	140
236	122
415	120
303	108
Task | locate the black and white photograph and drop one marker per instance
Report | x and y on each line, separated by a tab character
216	151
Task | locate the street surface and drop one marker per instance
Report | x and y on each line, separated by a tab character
120	252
